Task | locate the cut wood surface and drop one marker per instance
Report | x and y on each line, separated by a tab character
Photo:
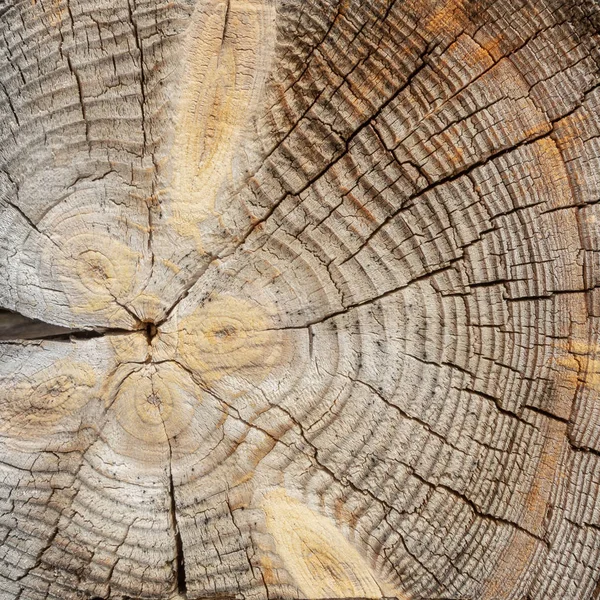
300	299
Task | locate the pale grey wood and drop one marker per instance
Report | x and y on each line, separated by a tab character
299	299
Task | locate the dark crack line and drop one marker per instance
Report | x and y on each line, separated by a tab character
179	567
193	281
21	324
343	152
225	27
369	301
179	556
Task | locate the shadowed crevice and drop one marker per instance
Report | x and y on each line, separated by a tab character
15	327
179	556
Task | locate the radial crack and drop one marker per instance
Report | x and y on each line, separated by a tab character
179	567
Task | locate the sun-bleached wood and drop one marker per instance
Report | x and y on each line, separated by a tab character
300	299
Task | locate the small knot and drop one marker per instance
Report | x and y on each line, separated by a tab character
154	400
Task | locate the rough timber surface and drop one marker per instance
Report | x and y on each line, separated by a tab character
300	299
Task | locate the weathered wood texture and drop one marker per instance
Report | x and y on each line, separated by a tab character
305	299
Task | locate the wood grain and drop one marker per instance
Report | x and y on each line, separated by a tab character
300	299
